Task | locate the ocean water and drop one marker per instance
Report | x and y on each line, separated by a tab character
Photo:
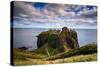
28	36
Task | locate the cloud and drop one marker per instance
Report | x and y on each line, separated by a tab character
86	13
57	10
25	13
24	9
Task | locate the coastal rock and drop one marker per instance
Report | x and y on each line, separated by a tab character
63	40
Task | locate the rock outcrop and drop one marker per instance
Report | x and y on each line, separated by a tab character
62	40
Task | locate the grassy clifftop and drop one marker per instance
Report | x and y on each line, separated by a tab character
87	49
40	56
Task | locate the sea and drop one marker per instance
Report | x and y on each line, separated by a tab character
28	36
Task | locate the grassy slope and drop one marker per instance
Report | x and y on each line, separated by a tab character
80	58
88	49
23	55
85	53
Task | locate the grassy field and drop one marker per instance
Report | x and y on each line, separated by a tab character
83	54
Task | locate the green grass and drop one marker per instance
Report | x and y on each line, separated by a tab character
79	58
88	49
43	51
40	56
23	55
18	55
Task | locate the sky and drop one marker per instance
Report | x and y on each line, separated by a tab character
52	15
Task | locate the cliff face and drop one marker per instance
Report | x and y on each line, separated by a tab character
62	40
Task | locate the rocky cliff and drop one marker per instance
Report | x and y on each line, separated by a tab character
63	40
